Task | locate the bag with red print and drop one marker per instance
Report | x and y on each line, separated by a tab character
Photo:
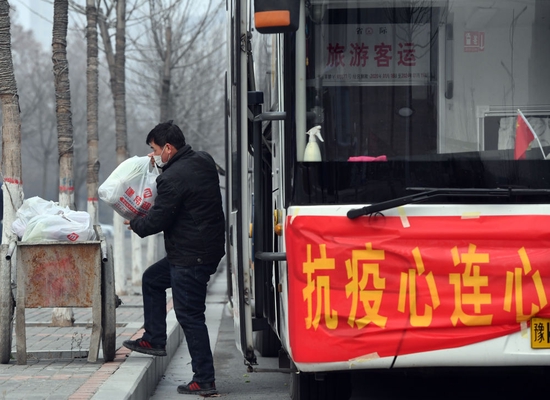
131	188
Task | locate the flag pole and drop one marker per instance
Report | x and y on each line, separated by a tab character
533	132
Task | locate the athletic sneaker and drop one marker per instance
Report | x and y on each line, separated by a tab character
203	389
143	346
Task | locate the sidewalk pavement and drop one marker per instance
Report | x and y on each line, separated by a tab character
57	366
233	379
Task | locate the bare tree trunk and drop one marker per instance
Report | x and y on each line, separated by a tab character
92	93
63	316
116	61
11	169
165	114
119	257
120	116
119	260
137	263
165	110
137	260
11	128
45	174
120	87
109	53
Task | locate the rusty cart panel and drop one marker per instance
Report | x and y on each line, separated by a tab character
59	274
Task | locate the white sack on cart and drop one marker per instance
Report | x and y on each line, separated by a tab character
68	225
131	188
44	220
31	208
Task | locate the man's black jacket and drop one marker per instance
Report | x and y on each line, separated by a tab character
188	208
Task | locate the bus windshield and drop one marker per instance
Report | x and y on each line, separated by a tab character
440	94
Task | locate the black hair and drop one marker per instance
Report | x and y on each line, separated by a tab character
166	132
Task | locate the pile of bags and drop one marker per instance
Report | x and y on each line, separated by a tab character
131	188
40	220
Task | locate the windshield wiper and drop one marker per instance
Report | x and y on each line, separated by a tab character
428	193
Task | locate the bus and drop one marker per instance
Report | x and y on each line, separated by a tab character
388	185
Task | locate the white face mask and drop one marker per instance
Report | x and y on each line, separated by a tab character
158	159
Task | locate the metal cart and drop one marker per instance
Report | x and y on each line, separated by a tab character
58	274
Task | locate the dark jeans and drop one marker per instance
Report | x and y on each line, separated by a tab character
189	295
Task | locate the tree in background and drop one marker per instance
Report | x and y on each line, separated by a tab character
181	60
92	93
175	49
63	103
202	114
117	69
116	61
33	71
119	92
11	166
63	316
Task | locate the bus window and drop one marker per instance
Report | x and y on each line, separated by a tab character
411	79
373	72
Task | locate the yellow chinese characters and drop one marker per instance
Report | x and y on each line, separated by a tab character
514	282
371	299
472	280
321	286
466	291
408	287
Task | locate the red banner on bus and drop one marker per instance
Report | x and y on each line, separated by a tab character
387	286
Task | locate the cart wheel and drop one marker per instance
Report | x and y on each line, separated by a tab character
108	300
6	307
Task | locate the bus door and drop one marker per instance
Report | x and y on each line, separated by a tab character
239	181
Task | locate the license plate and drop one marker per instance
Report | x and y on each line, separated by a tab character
540	333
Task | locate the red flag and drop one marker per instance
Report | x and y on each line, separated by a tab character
524	136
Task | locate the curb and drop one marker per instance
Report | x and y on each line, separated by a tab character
139	374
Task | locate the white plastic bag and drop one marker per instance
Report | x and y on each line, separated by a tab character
29	209
67	225
44	220
131	188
